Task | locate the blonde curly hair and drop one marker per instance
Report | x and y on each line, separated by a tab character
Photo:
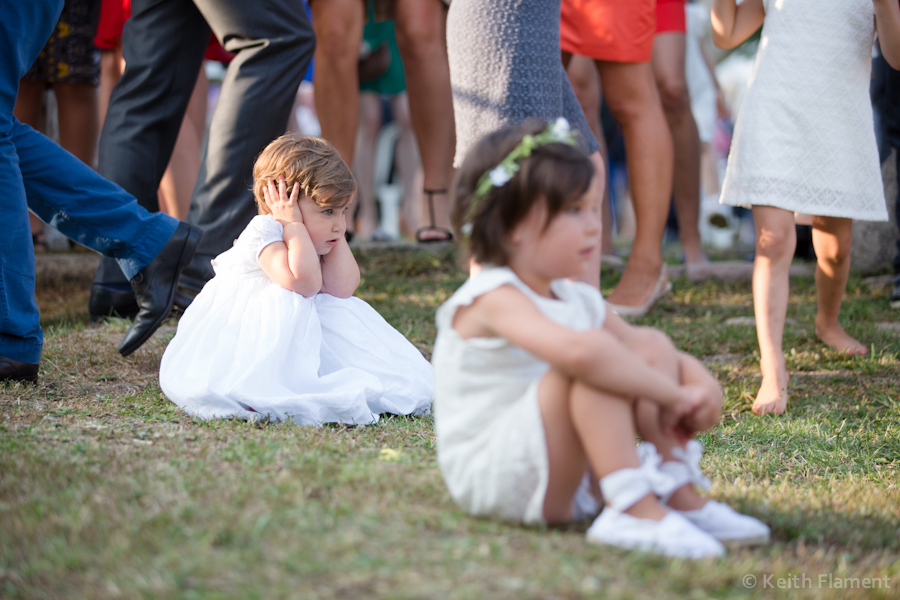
312	162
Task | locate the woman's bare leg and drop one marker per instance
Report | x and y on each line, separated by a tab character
775	242
364	163
583	425
112	65
422	41
78	126
177	184
338	26
409	164
831	239
586	84
668	67
631	93
29	105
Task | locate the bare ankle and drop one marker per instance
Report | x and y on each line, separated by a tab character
647	507
686	498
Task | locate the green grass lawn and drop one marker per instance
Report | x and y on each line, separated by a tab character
108	490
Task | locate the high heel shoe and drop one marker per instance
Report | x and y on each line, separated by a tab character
663	286
432	232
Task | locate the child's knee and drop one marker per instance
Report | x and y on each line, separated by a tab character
652	345
775	243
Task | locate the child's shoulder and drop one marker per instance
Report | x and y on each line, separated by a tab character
261	228
487	280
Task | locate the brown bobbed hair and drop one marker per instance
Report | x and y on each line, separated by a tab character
323	176
556	174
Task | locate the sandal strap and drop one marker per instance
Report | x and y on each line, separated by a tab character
623	488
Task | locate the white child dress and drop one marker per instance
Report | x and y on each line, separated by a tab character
249	348
490	437
804	139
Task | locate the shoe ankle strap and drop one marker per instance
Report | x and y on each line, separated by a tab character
623	488
687	468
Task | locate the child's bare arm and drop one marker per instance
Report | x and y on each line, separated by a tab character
293	264
693	372
595	357
733	23
340	273
887	23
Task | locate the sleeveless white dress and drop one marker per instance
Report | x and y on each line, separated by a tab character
490	437
248	348
804	139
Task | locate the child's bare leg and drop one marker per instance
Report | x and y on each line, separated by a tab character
582	424
658	351
775	242
831	239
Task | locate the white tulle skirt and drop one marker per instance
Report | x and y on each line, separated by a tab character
249	348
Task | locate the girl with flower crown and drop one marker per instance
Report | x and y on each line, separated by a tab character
540	391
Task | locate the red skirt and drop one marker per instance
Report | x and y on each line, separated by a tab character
611	30
670	16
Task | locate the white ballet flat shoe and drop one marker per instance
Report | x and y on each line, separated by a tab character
727	525
718	520
663	286
673	536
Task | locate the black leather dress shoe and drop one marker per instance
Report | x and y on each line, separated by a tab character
107	301
15	370
197	273
154	286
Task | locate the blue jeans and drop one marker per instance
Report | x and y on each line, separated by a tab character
38	174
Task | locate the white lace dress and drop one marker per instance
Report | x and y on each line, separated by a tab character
490	436
248	348
804	139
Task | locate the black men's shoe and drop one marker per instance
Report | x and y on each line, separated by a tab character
112	301
197	273
15	370
154	286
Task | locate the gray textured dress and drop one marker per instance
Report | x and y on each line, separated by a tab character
505	67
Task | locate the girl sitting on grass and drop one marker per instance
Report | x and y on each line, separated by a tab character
276	334
537	384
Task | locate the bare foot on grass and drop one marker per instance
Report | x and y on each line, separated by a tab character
836	338
772	396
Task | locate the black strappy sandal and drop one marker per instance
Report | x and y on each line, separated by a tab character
442	235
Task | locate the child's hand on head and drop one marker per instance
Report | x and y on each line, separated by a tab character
284	208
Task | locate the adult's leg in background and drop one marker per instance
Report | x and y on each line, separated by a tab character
668	67
177	184
162	45
421	27
364	163
633	99
24	28
29	107
273	42
586	84
339	28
